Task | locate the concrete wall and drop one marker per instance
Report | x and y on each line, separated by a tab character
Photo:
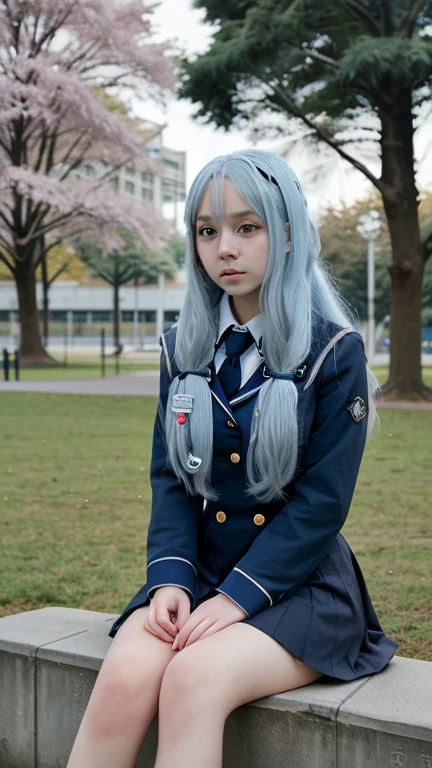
49	660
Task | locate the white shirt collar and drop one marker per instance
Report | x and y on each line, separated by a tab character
226	319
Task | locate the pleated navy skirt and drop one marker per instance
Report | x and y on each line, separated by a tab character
329	622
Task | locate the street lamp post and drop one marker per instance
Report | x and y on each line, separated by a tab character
369	227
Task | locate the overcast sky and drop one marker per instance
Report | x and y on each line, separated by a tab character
178	20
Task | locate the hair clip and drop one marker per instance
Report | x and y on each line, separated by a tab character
181	419
269	373
193	463
267	175
204	373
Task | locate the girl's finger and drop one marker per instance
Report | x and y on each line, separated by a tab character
163	620
197	632
192	623
158	631
185	631
183	613
212	630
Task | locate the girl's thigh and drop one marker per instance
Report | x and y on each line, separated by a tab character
236	665
135	656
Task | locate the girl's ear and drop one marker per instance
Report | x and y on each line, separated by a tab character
288	234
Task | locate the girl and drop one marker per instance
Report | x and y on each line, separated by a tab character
263	414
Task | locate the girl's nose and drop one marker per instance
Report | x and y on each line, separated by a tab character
227	247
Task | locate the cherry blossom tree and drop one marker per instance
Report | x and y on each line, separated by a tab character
58	60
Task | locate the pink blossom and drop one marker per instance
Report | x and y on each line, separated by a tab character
56	60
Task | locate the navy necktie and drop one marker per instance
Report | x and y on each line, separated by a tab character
229	373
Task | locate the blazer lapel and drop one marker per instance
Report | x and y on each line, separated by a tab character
220	397
251	387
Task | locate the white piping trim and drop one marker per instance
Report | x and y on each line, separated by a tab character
256	583
234	601
157	586
159	559
168	361
319	361
246	394
224	407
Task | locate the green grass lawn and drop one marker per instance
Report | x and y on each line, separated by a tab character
75	496
381	372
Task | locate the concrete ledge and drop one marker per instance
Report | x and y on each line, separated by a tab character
49	660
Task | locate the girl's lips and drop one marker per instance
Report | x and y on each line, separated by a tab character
234	273
231	276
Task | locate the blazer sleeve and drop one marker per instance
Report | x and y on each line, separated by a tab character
288	550
172	534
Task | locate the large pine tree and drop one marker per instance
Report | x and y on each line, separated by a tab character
346	71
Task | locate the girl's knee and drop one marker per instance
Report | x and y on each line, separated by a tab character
126	689
188	678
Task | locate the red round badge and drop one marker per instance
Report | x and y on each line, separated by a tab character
181	418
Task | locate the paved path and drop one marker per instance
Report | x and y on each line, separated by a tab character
141	383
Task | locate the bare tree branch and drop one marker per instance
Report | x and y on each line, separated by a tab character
359	12
407	24
297	112
6	262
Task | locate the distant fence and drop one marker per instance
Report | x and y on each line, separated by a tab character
10	362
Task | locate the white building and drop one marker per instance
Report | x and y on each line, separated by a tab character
79	312
164	188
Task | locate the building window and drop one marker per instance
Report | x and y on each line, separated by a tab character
130	187
147	194
101	316
147	316
171	163
115	183
130	170
58	316
79	316
172	190
147	178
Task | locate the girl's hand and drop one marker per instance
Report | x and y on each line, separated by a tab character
169	610
208	618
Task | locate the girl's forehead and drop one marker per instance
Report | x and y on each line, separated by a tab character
221	198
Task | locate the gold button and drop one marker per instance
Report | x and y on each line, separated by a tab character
220	517
259	519
235	458
230	424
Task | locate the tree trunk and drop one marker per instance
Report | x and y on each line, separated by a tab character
406	270
45	305
32	352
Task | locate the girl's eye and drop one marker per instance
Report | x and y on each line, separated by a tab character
206	231
249	228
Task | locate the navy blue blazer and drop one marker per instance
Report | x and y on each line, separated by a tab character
259	554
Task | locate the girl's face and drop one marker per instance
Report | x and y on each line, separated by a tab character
234	252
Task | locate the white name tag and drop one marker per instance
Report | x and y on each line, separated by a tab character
182	403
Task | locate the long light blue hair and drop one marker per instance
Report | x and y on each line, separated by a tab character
295	291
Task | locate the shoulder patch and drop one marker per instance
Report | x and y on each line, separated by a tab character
357	409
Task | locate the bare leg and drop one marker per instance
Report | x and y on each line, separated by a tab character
124	701
210	678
